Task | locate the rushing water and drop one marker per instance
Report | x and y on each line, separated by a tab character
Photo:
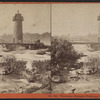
83	48
26	55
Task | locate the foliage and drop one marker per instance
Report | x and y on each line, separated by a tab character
10	63
62	54
41	66
93	63
40	72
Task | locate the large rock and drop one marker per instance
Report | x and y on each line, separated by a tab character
73	75
80	71
56	78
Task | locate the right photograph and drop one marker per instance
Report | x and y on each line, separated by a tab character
75	48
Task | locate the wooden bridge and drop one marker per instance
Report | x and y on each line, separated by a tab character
75	42
2	42
26	44
80	41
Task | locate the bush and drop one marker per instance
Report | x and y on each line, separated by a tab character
62	55
92	64
10	63
20	66
40	72
41	66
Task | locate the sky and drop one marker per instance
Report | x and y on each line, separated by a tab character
36	17
75	19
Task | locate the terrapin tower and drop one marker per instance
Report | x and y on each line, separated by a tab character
18	32
98	28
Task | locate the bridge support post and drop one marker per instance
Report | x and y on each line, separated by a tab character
30	47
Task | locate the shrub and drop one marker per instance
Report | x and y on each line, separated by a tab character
41	66
40	72
93	63
62	55
19	67
10	63
43	71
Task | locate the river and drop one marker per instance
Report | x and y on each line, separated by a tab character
83	48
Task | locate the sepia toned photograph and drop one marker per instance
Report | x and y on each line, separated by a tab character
75	49
25	42
50	48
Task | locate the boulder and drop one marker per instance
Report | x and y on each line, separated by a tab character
80	71
57	79
73	75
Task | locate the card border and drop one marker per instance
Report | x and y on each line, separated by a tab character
44	95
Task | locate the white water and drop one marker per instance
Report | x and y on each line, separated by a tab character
25	55
86	51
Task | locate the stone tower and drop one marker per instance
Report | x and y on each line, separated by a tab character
18	32
98	28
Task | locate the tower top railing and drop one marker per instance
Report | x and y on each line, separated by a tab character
18	16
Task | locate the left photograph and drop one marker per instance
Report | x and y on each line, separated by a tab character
25	41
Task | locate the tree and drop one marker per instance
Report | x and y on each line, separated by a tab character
62	55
